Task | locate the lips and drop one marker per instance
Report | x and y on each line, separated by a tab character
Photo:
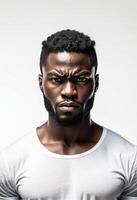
68	106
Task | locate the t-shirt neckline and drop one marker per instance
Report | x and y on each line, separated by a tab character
56	155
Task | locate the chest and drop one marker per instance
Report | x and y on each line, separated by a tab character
76	179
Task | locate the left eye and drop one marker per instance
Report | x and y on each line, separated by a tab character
81	80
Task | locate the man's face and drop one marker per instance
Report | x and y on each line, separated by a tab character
68	84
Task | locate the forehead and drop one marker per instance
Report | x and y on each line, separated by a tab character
68	60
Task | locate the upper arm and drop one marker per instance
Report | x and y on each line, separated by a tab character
7	188
130	190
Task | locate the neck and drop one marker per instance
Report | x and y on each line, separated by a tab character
68	134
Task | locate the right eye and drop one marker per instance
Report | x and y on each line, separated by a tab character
56	80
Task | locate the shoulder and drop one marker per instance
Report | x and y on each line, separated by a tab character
116	145
19	149
115	140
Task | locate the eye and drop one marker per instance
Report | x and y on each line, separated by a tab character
81	80
56	80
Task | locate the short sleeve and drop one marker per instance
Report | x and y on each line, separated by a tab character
130	191
7	189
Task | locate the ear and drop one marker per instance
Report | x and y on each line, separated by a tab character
96	82
40	78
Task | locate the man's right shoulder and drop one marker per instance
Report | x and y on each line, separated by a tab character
19	148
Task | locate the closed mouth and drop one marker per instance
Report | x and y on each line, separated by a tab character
68	104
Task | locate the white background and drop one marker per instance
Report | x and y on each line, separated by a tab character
24	24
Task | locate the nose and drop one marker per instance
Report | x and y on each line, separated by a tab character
69	90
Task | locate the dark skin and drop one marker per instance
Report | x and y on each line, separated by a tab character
69	82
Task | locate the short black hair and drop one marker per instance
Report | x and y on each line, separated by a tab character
69	41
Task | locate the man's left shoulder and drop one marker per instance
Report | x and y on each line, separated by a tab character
117	142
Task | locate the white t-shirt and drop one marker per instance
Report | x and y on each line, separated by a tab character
108	171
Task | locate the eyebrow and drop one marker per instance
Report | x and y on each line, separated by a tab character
85	72
78	73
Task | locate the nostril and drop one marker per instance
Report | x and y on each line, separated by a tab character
69	96
64	96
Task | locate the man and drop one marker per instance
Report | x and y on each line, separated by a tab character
70	157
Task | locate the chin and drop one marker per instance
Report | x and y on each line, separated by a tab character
68	121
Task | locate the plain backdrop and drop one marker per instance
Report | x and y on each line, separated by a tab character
24	24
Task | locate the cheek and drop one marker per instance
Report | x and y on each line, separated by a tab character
50	91
91	90
86	92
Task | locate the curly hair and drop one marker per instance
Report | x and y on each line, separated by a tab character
70	41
